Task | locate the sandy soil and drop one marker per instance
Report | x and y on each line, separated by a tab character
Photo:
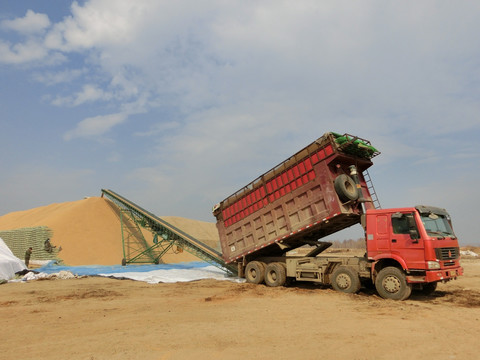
100	318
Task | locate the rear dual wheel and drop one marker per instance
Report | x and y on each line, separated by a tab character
275	274
345	279
255	272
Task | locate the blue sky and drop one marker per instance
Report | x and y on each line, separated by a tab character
177	104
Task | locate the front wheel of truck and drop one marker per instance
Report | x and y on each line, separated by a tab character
345	279
391	283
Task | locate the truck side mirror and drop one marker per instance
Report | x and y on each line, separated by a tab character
412	226
414	235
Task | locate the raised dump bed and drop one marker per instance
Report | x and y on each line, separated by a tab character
306	197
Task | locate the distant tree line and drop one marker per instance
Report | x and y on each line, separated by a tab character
349	244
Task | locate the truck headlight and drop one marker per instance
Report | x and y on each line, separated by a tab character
433	265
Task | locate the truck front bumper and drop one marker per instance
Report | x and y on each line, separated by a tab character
436	275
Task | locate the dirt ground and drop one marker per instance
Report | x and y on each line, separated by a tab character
101	318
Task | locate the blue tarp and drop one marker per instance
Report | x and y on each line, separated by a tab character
52	267
161	273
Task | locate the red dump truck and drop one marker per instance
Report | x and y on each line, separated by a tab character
324	188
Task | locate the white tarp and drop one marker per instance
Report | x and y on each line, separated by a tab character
174	275
9	263
152	277
468	253
160	273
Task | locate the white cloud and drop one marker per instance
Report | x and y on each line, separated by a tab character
31	23
210	54
160	128
191	56
94	127
58	77
229	89
89	93
22	52
98	23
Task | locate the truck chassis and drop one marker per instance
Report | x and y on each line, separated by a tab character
344	273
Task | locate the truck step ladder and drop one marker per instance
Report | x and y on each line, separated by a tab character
371	189
165	236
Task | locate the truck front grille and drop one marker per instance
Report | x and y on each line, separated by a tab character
449	253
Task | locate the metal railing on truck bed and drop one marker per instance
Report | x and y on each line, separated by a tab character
165	236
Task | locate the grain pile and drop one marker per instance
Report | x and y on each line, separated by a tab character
89	231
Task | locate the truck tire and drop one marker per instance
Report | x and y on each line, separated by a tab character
391	283
346	188
345	279
255	272
275	274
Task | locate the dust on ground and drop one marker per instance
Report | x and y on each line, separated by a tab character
101	318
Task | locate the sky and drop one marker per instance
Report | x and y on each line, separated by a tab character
175	105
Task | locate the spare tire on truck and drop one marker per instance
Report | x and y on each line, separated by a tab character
346	188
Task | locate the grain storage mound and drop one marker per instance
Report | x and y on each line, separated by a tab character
89	231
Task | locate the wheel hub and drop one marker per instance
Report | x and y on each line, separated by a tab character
392	284
343	281
273	275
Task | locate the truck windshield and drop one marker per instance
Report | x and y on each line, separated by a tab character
437	225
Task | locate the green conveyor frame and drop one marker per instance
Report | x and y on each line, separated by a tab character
165	236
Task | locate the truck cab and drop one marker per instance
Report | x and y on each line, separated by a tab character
418	240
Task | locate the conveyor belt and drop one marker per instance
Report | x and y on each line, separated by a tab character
165	235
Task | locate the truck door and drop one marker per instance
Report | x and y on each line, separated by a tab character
405	240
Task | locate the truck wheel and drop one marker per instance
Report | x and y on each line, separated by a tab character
255	272
428	288
275	274
346	188
345	279
391	283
